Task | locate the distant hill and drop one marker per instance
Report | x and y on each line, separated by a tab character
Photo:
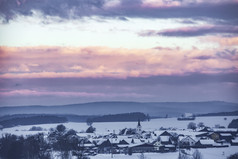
69	117
234	113
102	108
120	117
32	120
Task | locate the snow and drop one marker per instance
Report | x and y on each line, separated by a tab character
188	115
222	134
207	142
209	153
164	138
153	125
108	127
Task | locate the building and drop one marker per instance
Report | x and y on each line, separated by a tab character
139	128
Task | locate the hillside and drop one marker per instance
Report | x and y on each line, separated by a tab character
233	113
32	120
101	108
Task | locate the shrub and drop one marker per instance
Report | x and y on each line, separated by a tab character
197	154
233	124
192	125
36	128
234	156
60	128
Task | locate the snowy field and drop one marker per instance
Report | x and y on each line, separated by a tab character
107	127
209	153
152	125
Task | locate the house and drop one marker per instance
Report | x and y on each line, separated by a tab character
166	138
157	144
226	136
234	142
204	143
186	142
143	147
231	131
104	146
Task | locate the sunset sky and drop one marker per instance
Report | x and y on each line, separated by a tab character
55	52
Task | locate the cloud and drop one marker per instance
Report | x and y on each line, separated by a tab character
57	8
27	92
228	54
193	31
75	9
68	94
222	41
192	87
20	68
204	57
104	62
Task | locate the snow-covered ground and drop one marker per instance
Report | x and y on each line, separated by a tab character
105	127
209	153
152	125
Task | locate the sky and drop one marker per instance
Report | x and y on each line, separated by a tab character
56	52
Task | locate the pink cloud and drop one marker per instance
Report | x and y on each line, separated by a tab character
27	92
99	62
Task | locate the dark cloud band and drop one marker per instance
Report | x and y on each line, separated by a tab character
72	9
193	31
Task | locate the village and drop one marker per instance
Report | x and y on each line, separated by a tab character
178	137
137	140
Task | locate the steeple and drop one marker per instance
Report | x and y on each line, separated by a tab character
138	123
138	129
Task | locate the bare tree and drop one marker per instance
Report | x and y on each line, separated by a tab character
142	156
201	124
192	125
197	154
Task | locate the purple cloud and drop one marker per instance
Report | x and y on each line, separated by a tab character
192	31
74	9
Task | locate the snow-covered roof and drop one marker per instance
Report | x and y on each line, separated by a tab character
235	140
223	134
225	130
188	114
181	138
164	138
88	145
207	142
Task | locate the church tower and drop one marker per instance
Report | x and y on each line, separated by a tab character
138	129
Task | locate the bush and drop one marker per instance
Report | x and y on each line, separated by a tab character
35	128
182	156
234	156
192	125
233	124
90	130
142	156
60	128
197	154
201	124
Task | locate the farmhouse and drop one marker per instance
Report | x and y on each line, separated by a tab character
186	142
